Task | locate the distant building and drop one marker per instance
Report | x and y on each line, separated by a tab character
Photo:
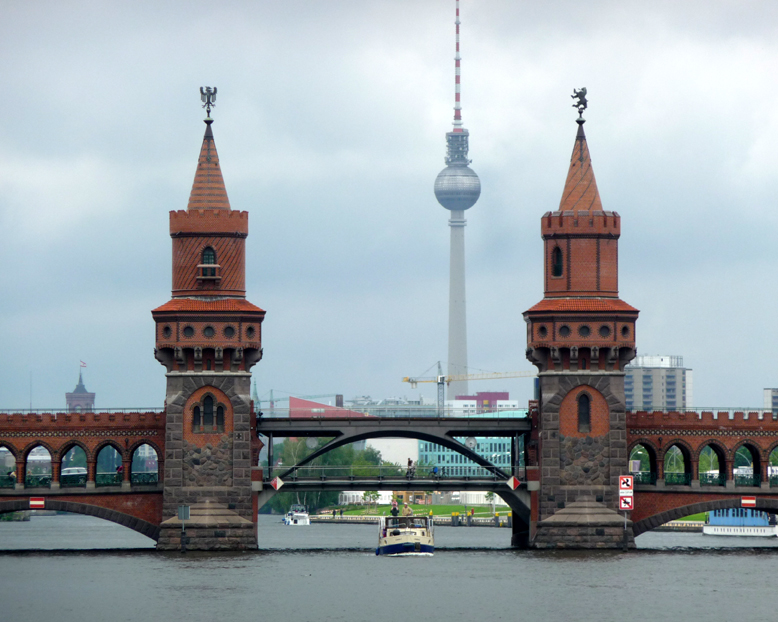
771	400
80	400
658	383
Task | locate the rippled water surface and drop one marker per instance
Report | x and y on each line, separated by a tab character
330	572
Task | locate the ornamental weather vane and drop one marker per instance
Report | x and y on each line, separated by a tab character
208	97
581	104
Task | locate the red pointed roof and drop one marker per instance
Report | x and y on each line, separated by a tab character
580	187
208	191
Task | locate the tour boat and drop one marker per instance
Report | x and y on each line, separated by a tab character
740	522
405	535
297	515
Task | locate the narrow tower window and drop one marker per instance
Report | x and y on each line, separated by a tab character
556	261
209	257
220	418
208	413
196	419
584	417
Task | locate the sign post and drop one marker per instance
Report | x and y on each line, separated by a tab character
626	500
183	515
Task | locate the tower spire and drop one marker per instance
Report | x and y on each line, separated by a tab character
457	82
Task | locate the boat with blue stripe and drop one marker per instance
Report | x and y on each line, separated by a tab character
405	535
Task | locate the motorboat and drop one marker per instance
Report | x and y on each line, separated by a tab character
405	535
297	515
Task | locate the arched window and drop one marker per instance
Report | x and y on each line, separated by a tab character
220	418
584	413
208	413
556	261
209	257
196	419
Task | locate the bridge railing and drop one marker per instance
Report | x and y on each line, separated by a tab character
332	412
390	471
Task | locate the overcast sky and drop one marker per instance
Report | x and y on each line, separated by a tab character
330	126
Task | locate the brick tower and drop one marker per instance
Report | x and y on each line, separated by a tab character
580	337
208	337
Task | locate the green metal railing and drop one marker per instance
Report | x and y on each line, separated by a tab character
7	481
72	481
713	479
37	481
645	477
773	481
748	480
678	479
390	471
144	479
108	479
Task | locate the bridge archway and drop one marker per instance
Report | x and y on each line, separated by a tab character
712	464
346	439
746	464
651	522
645	451
146	528
677	463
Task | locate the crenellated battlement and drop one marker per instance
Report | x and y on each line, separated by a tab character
569	222
47	421
183	222
706	419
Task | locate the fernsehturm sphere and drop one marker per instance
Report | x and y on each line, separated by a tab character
457	188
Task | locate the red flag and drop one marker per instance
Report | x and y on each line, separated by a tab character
83	364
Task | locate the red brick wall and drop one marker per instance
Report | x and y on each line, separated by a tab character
599	413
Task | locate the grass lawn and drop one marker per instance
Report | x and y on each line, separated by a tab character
437	510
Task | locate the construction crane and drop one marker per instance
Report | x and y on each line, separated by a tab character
442	380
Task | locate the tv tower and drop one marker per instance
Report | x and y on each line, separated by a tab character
457	188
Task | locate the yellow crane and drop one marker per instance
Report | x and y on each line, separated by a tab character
441	379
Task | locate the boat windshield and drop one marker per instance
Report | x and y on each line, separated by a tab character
407	522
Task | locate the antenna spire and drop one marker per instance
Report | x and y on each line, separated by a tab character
457	83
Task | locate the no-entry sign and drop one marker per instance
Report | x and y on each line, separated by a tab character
626	482
37	503
626	503
748	502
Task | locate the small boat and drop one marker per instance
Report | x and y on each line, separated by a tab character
740	522
405	535
297	515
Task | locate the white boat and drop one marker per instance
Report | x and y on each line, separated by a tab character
740	522
405	535
297	515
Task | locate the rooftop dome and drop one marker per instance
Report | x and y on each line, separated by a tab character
457	187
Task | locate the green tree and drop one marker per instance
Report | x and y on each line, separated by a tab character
370	497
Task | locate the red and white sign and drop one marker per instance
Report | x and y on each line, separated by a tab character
276	483
626	482
748	502
513	482
626	503
37	503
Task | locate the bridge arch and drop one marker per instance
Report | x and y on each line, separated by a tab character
651	522
125	520
70	444
651	450
11	449
686	452
25	453
445	441
108	443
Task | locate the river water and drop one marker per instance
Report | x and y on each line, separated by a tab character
330	572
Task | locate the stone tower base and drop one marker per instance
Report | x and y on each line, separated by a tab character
584	524
212	527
